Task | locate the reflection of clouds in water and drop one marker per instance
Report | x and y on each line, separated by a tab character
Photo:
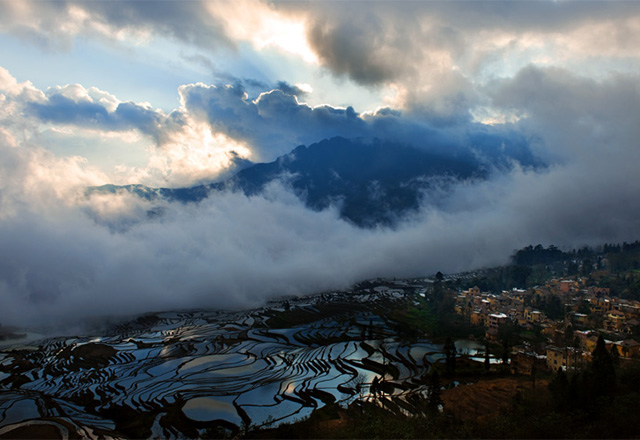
205	409
467	347
269	391
214	360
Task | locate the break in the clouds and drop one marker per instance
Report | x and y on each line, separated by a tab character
514	84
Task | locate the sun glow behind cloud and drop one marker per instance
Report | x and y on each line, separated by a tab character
265	28
192	155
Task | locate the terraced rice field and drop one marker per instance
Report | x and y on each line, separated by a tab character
181	374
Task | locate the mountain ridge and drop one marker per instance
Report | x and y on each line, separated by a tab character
373	182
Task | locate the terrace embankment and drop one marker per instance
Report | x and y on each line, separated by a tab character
199	373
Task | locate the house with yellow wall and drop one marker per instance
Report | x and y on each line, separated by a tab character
615	321
629	348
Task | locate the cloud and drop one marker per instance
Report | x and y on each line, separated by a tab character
352	43
273	123
180	150
75	105
364	48
216	127
436	55
294	90
581	119
236	251
65	256
276	121
205	24
54	25
197	141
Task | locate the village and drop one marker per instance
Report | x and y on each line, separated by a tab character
563	340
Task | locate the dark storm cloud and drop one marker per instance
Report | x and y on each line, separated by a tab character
362	47
378	42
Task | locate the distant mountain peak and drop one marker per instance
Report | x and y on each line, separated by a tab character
376	182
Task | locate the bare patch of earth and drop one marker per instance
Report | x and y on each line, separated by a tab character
486	399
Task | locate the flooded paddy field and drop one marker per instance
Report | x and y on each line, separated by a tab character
181	374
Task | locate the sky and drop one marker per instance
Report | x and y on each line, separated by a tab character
172	93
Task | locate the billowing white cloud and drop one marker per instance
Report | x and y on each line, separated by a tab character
273	123
181	150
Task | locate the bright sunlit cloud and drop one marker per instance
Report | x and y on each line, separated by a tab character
192	155
264	28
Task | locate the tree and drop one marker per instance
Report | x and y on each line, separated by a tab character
520	275
375	387
450	353
553	307
509	336
487	362
359	384
559	388
604	375
534	371
433	391
506	350
583	307
615	356
587	267
568	335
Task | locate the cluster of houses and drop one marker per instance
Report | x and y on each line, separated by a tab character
569	340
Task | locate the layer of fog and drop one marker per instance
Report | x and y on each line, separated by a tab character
65	257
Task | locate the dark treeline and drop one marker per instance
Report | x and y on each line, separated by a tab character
531	256
533	265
